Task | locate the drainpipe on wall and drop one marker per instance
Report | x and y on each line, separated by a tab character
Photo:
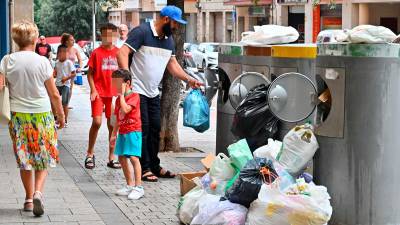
11	21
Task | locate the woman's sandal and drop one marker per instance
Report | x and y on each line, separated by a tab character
38	207
147	177
168	174
28	205
114	164
90	162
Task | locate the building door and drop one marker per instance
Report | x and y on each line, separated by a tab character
390	22
296	19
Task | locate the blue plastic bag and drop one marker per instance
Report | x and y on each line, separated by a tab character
196	112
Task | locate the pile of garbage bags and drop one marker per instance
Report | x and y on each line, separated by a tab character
268	187
368	34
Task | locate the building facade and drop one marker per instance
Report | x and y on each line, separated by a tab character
12	11
215	21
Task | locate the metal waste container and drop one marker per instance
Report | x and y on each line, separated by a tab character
359	144
293	59
240	69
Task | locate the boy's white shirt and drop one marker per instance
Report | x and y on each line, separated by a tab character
64	69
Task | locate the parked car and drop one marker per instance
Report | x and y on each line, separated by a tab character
88	47
189	48
84	57
206	55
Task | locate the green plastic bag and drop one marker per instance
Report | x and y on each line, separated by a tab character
240	154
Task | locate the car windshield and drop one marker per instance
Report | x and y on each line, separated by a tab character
212	48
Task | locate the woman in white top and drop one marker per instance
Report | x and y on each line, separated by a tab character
32	127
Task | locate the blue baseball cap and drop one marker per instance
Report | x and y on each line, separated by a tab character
174	13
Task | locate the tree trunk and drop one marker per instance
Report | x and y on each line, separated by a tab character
169	139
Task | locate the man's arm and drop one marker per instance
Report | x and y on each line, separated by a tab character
176	70
123	57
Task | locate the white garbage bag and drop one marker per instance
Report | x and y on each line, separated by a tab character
299	147
371	34
220	212
270	34
221	172
274	207
269	151
189	204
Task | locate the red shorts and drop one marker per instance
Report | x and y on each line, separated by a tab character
99	103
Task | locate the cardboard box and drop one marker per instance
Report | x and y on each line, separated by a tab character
207	161
187	183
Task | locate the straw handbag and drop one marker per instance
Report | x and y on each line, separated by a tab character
5	112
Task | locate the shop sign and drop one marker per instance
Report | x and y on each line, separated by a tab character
292	1
257	11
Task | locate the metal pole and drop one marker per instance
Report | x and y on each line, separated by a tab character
94	22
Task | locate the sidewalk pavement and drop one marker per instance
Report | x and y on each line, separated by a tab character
74	195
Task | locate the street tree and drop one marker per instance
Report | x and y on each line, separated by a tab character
55	17
169	140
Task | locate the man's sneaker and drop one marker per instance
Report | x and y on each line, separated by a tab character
125	191
136	193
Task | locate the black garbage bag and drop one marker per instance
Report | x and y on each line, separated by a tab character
261	138
246	188
253	113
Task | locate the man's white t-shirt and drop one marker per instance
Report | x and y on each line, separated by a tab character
64	69
26	74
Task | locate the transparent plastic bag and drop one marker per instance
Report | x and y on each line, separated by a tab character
270	151
219	212
299	147
275	207
189	204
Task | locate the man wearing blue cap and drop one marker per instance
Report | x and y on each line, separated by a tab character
153	50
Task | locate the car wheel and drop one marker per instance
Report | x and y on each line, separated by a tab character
204	64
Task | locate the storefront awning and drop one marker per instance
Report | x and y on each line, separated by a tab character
247	2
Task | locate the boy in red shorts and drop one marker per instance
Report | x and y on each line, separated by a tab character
102	63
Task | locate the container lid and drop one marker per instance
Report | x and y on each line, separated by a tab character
292	97
243	84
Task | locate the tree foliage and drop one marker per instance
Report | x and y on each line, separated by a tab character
55	17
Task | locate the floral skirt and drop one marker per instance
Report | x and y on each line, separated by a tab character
34	140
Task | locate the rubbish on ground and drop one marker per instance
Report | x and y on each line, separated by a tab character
270	151
256	172
275	207
189	204
299	147
270	34
221	173
214	211
187	182
307	177
207	161
196	111
240	154
371	34
253	115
